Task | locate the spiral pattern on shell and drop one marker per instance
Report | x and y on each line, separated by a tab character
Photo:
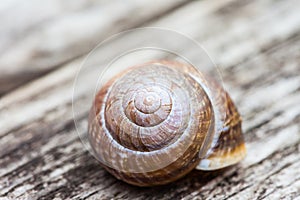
152	123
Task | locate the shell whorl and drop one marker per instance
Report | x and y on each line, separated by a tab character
152	123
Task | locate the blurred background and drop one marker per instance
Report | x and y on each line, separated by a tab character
39	37
255	44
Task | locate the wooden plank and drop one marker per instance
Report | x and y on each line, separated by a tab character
260	67
38	37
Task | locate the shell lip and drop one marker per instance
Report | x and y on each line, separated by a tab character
226	160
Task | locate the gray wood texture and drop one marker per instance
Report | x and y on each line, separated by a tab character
256	44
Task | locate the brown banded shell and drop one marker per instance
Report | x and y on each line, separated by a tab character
154	123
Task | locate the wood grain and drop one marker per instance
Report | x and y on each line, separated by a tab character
39	37
257	46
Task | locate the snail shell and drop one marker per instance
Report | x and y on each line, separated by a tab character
154	123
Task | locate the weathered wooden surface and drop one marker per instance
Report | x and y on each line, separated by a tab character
255	43
38	37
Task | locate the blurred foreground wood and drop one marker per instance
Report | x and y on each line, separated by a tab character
255	43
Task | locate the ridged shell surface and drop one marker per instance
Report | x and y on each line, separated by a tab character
154	123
